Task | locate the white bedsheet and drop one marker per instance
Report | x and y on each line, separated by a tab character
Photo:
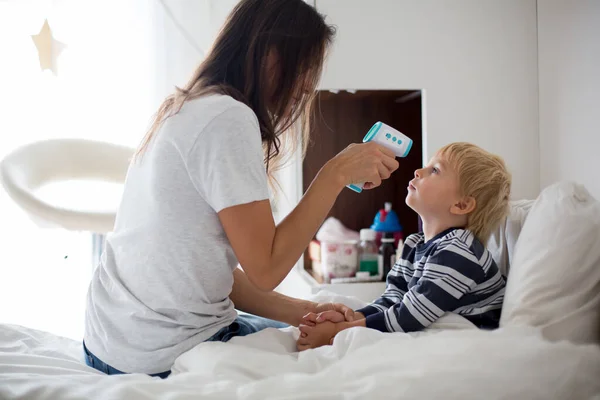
362	363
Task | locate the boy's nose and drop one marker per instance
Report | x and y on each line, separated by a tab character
417	175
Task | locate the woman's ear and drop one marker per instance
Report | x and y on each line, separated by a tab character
465	206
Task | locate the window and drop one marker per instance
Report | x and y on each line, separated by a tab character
103	91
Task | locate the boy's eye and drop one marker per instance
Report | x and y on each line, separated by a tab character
435	170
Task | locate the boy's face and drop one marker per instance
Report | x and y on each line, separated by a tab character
434	189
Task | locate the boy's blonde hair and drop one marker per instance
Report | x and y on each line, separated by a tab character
483	176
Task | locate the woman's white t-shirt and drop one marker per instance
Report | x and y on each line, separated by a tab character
164	281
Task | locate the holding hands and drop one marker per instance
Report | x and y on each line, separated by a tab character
319	329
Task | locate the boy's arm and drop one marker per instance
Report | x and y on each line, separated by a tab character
447	277
396	285
394	292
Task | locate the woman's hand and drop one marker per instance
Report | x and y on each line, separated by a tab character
368	163
316	336
334	312
328	324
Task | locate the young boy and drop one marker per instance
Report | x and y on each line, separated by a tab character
461	196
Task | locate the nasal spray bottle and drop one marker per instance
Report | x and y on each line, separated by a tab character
389	137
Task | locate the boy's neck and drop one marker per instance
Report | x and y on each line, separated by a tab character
433	227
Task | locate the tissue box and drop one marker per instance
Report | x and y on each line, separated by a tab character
339	259
317	271
314	250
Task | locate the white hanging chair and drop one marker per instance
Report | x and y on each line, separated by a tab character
31	167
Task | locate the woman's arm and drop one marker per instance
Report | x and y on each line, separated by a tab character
272	305
268	252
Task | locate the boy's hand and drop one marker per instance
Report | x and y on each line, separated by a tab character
316	336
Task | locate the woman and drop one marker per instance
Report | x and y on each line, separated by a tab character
196	198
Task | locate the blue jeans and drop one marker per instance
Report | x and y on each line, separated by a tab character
243	325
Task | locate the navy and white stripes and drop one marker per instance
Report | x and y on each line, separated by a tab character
452	272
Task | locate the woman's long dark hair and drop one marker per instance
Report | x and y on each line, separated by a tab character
236	66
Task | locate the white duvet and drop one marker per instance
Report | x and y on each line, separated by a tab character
451	361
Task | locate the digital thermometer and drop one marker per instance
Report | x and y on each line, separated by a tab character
389	137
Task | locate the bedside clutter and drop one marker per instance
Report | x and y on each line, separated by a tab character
340	255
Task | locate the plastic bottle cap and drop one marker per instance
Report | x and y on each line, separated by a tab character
363	274
368	234
386	220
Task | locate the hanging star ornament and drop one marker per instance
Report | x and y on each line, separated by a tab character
48	48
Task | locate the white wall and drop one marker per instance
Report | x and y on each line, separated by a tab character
184	32
475	59
569	78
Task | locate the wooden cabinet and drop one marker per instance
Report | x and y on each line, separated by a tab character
343	118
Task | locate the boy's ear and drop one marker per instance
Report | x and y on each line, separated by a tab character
465	206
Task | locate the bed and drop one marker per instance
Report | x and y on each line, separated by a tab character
459	363
547	345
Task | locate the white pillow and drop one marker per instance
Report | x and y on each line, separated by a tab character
554	281
501	243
